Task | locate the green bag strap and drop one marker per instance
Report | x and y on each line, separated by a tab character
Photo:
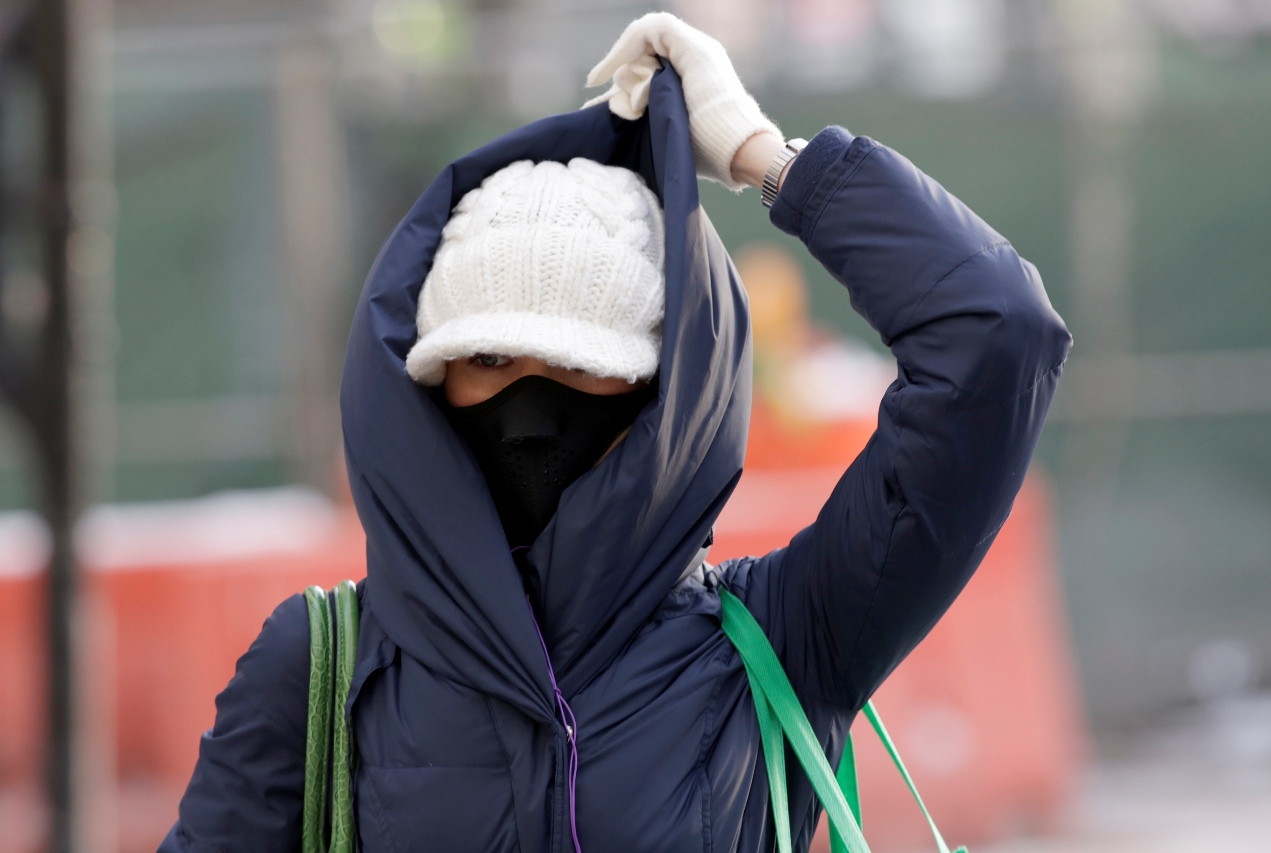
347	623
871	714
328	746
846	777
774	755
318	729
780	714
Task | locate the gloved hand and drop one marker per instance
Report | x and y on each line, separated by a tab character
721	113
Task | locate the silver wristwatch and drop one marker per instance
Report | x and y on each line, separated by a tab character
785	155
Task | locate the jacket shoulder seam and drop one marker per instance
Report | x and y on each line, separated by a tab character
1041	377
984	249
278	655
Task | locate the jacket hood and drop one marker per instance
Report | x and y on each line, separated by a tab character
440	579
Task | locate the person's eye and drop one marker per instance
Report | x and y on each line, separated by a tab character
485	359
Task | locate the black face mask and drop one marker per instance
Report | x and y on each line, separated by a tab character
537	436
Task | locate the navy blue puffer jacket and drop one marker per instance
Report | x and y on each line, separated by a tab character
459	744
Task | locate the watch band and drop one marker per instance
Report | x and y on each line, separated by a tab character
768	193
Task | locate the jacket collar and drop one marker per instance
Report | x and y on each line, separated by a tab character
440	579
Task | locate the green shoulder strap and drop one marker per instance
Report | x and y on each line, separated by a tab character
782	717
333	631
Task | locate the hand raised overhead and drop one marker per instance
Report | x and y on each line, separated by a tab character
722	114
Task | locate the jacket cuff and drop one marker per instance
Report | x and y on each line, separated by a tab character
810	180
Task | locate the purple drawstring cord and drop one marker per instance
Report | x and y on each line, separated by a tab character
571	728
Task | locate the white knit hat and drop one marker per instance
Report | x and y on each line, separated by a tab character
562	263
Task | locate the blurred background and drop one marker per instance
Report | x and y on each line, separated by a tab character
190	194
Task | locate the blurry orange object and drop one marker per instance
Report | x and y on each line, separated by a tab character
188	587
985	711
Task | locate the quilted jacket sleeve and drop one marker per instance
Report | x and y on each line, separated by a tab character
248	785
979	350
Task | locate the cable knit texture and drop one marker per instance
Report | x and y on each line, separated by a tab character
560	262
722	115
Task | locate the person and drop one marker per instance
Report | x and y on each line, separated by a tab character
544	403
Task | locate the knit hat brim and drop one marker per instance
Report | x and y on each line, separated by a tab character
564	341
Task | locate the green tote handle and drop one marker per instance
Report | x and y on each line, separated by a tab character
332	655
781	717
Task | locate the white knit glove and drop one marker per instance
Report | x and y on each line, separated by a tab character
721	113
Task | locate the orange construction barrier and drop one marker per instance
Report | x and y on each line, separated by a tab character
22	675
985	711
186	588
